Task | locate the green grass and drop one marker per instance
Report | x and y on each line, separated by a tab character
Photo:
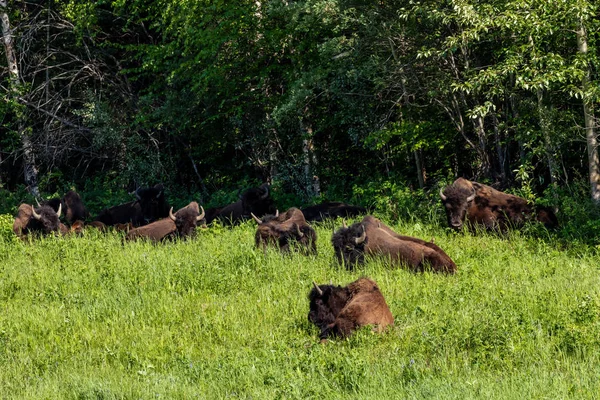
89	318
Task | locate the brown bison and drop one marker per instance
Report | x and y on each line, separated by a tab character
283	230
150	205
255	201
371	237
338	311
74	208
42	220
484	205
181	224
325	210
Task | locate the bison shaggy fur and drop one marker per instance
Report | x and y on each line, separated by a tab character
338	311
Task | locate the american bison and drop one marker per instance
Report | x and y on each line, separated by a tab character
338	311
283	230
181	224
150	205
74	208
41	220
255	201
319	212
483	205
371	237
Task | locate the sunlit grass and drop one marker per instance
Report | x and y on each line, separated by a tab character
215	318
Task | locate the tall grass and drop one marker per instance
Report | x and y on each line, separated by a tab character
91	318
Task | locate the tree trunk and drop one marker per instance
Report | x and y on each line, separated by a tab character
309	160
420	174
590	132
29	167
544	120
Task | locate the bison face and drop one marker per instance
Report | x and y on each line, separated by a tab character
326	302
45	219
456	201
186	220
349	245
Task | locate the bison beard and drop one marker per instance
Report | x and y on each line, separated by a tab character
338	311
483	205
373	238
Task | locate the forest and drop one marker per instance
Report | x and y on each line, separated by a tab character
332	99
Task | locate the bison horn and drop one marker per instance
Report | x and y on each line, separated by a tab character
471	197
258	220
137	194
35	215
38	203
317	288
362	237
299	231
442	194
59	210
201	216
171	214
264	196
276	213
344	223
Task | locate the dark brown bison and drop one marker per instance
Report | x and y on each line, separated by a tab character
150	205
371	237
74	208
285	230
484	205
255	201
43	220
338	311
325	210
182	224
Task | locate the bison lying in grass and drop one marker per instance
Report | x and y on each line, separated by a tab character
483	205
371	237
285	230
182	224
338	311
43	220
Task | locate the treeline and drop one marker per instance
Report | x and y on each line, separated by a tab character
320	96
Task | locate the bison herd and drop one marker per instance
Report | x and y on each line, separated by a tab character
335	310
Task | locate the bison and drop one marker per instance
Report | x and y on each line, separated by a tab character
42	220
371	237
483	205
181	224
255	201
285	229
149	206
338	311
319	212
74	208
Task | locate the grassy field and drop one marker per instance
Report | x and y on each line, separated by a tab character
89	318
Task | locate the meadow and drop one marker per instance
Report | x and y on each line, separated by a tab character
88	318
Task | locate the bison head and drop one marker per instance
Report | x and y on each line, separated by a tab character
45	219
257	201
152	202
349	244
456	200
187	219
326	303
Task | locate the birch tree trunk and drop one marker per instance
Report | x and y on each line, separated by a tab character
590	131
29	168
